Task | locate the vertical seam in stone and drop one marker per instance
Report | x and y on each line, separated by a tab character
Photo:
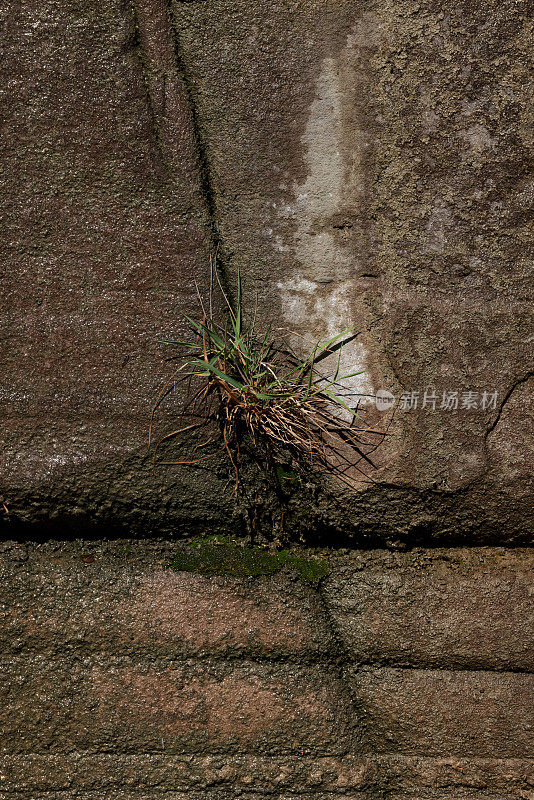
343	660
167	78
137	46
206	181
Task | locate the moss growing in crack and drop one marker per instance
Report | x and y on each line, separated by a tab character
215	556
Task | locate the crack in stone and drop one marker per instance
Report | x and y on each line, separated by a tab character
153	46
480	478
174	109
506	398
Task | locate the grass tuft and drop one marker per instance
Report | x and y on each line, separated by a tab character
247	382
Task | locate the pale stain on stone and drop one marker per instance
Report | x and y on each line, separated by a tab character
318	301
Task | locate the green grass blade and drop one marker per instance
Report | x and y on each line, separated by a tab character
223	376
338	401
208	332
179	344
338	363
334	344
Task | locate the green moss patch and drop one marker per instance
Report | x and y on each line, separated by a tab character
217	558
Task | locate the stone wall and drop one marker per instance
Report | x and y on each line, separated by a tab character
363	164
404	676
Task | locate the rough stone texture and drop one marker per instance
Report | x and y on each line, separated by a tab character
81	608
364	164
121	679
179	708
432	712
426	610
379	154
104	231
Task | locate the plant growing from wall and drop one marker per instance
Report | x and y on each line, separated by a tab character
246	385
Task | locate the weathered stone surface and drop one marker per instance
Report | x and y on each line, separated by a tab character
453	777
469	609
241	772
63	706
120	678
379	154
448	608
104	232
216	794
436	712
85	608
364	164
338	775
